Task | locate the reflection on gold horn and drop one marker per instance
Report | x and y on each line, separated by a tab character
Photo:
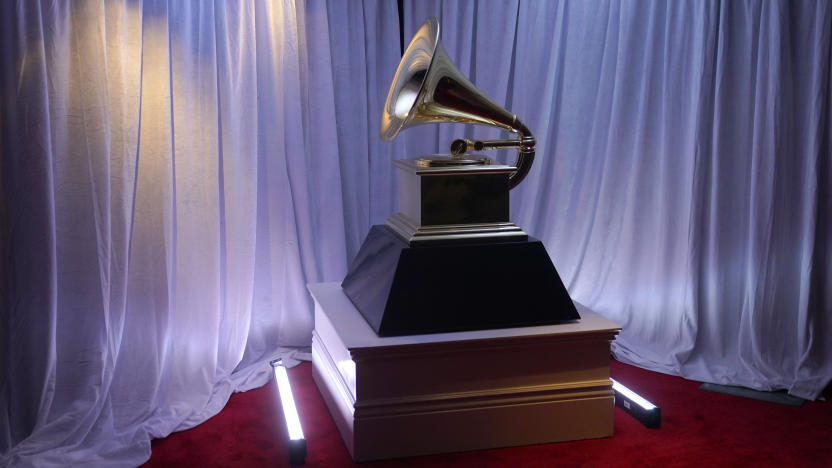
428	88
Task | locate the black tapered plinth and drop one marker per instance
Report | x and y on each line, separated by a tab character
410	290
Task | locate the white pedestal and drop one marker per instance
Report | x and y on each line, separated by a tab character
423	394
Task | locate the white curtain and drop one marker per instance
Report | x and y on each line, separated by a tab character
683	169
364	49
170	181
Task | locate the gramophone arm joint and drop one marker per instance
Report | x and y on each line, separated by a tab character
525	145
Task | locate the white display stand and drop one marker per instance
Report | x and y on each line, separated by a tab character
424	394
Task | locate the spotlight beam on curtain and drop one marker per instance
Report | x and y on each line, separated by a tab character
169	183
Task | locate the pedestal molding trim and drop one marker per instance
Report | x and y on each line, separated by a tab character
331	368
420	404
476	345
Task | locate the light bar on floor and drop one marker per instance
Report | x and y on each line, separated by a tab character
649	414
297	443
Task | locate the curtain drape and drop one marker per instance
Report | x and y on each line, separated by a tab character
169	183
682	177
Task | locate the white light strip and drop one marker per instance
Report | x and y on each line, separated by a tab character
290	411
633	396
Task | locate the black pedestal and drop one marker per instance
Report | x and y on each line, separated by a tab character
404	290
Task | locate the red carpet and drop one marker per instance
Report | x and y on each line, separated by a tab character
698	429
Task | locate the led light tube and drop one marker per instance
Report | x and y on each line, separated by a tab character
635	397
636	406
297	443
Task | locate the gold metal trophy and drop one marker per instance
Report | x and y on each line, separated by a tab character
450	259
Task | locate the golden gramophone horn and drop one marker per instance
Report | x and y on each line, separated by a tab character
428	88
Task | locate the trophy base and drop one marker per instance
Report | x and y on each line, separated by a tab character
402	289
412	233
